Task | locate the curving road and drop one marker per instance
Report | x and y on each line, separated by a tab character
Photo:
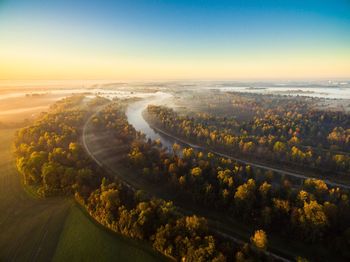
138	109
262	166
88	138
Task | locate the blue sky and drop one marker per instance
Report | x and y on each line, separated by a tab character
175	39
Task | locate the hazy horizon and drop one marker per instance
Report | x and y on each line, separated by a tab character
175	130
183	40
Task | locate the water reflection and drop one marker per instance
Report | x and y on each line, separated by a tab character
135	118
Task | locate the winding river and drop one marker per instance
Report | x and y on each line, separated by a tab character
135	118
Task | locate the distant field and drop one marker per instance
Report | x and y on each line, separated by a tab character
14	110
83	240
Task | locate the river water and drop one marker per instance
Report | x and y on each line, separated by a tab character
135	118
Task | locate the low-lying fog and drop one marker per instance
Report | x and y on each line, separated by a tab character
25	99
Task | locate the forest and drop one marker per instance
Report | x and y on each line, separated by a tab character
313	213
272	130
51	160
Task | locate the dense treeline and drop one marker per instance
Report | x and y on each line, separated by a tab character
112	117
48	153
158	221
286	132
312	213
51	159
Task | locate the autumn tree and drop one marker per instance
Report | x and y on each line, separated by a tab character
259	239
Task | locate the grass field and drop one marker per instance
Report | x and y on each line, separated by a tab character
83	240
34	229
30	227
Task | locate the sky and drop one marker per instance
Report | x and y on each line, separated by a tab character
170	40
